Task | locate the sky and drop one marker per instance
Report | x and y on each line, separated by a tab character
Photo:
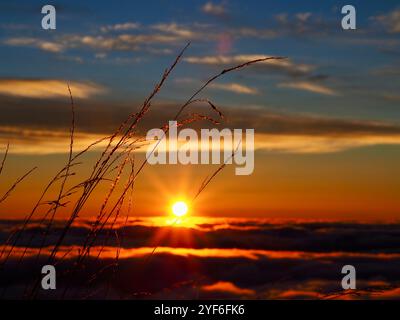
326	118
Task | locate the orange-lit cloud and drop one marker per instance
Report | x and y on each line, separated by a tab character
321	143
175	29
231	87
50	46
235	87
30	141
37	141
229	287
309	86
41	88
251	254
298	294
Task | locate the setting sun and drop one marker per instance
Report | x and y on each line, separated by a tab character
179	208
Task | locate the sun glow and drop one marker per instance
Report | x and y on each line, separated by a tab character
179	208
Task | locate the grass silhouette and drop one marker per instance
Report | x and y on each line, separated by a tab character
115	160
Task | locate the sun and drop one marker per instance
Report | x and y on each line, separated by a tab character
179	208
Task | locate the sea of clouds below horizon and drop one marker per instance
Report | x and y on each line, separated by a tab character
214	258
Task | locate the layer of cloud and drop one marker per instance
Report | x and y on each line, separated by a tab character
281	64
48	88
132	36
235	88
234	238
305	24
170	34
44	128
121	27
310	87
176	29
207	264
40	142
50	46
321	144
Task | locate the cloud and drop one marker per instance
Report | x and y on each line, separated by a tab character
214	9
156	38
49	46
178	30
170	34
228	287
310	87
121	42
268	122
235	87
40	142
247	32
210	265
231	87
311	25
41	88
391	97
320	144
298	295
46	121
282	64
252	239
132	36
121	27
390	21
303	16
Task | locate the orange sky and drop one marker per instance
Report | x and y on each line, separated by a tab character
357	184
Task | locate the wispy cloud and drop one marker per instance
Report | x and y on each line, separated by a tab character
231	87
45	122
310	87
41	88
170	34
176	29
36	43
391	21
121	27
235	87
214	9
321	143
281	64
247	32
132	36
38	141
303	16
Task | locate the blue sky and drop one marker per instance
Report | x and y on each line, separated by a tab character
350	63
121	50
